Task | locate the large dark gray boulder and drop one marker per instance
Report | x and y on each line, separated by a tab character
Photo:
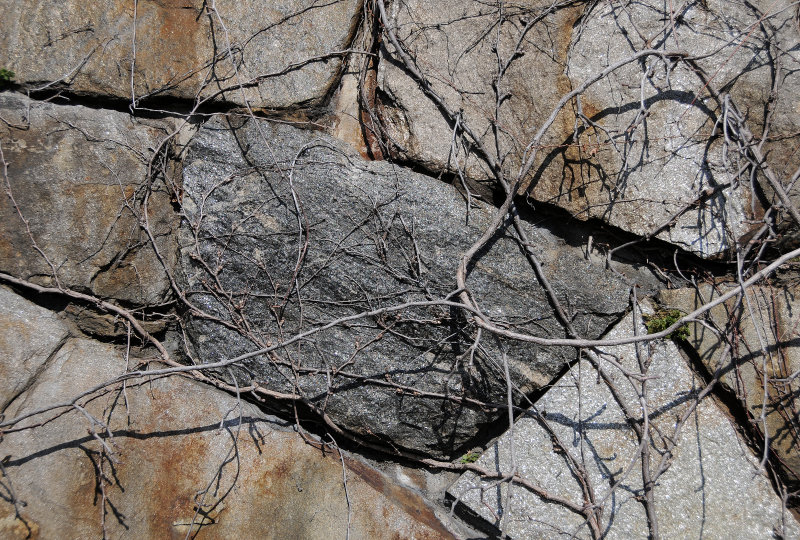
370	235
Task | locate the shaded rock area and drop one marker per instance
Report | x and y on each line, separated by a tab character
286	54
259	197
766	354
711	471
77	179
187	459
642	149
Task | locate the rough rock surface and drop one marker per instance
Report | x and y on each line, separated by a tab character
714	487
77	176
29	335
281	229
185	457
179	48
633	168
770	316
453	42
369	235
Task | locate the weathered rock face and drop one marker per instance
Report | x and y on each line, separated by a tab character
453	41
638	149
180	48
259	197
713	488
77	176
183	457
766	323
272	233
29	335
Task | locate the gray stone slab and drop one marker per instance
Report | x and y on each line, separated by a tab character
378	235
632	171
182	459
768	321
78	176
713	488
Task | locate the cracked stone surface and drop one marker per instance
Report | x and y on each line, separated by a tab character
180	446
78	176
769	316
602	158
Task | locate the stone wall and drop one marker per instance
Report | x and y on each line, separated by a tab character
290	270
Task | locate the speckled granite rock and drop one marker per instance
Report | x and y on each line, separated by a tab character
630	169
29	335
378	235
713	488
187	459
775	321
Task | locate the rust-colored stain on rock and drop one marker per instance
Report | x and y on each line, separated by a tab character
182	30
176	462
13	528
